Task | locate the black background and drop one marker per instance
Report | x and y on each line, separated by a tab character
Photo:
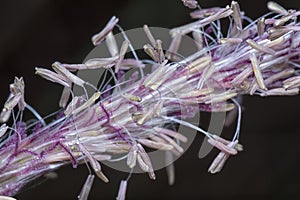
39	32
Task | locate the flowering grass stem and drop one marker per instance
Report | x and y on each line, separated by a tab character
261	58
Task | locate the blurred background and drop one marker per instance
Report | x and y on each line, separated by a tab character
38	32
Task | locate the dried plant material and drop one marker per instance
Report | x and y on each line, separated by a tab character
257	72
151	113
276	32
132	156
160	52
220	160
136	116
291	83
221	97
260	48
281	75
205	12
198	39
172	52
276	42
223	107
96	63
157	83
59	157
3	129
86	188
218	163
169	140
145	108
76	102
170	168
156	75
64	97
198	64
261	26
18	87
185	29
51	76
237	146
11	102
149	35
9	105
275	7
130	63
281	32
84	106
122	190
164	73
281	21
94	163
145	162
102	157
281	92
98	38
111	44
230	40
150	51
207	73
60	69
171	133
5	115
142	163
155	145
132	97
236	15
123	51
240	78
195	93
192	4
222	147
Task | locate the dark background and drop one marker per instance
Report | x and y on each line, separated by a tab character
39	32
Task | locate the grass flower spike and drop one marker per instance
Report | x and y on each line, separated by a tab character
123	121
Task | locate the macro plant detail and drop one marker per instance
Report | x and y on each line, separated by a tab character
259	57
